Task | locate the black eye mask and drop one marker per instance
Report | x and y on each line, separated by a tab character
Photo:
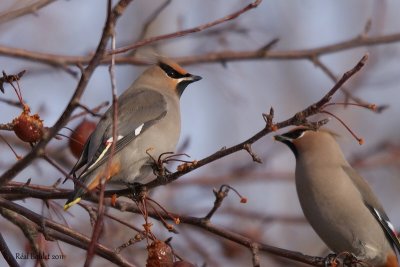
171	72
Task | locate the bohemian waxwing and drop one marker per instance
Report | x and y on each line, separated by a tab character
337	202
148	122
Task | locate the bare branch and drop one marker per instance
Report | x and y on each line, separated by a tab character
219	197
345	91
175	35
29	229
73	103
255	256
7	126
11	102
253	155
32	8
237	238
94	111
152	18
109	31
212	57
63	233
300	118
7	254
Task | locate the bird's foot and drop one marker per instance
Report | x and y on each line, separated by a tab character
331	260
139	191
342	259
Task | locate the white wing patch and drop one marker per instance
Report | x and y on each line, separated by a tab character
139	129
388	223
108	145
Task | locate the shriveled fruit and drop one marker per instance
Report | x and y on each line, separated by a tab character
28	128
159	254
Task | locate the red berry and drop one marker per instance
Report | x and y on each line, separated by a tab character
79	136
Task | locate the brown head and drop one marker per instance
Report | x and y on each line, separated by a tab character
166	75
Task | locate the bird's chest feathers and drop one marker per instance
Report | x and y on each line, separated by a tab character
323	181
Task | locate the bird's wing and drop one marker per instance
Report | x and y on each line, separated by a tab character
137	111
373	204
82	161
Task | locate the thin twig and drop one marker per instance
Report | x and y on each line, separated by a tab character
212	57
7	126
235	237
255	256
345	91
11	148
94	111
29	229
175	35
32	8
219	197
55	165
7	254
152	18
63	233
11	102
300	118
38	150
109	31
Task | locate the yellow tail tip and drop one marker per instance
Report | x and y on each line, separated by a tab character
71	203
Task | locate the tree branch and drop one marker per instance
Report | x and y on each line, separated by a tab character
38	150
5	251
50	228
175	35
212	57
300	118
237	238
34	7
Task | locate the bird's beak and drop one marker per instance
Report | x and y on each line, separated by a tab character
281	138
195	78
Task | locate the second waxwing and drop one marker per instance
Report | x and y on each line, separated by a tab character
148	123
337	202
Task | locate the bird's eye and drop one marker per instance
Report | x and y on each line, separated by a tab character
171	72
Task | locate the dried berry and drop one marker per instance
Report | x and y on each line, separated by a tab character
28	128
159	254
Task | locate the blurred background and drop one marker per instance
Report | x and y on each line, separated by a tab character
223	109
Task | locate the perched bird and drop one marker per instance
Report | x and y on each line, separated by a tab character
148	121
338	203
